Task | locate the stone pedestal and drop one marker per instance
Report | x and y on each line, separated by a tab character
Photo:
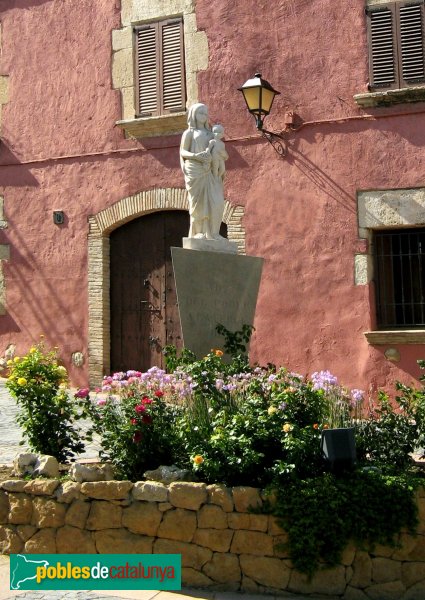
222	245
212	288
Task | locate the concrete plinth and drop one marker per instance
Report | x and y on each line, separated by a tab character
212	288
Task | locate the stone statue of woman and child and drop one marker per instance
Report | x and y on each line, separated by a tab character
202	158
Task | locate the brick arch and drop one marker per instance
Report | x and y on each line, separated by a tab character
100	226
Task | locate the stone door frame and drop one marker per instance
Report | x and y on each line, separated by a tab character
100	227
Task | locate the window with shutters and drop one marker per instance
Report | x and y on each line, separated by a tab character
396	45
159	67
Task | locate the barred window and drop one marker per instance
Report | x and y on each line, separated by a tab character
400	277
159	67
396	44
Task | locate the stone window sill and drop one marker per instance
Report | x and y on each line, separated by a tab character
154	126
390	97
400	336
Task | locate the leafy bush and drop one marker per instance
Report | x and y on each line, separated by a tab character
136	426
46	414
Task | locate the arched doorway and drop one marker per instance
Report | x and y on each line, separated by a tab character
144	311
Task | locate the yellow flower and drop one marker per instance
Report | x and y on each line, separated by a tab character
16	359
22	381
271	410
198	460
62	371
9	362
32	350
62	386
287	427
218	352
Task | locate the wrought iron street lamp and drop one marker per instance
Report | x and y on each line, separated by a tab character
259	96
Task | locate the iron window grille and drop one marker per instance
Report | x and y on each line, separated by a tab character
400	277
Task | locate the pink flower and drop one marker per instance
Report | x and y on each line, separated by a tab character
146	400
82	393
133	421
101	402
140	408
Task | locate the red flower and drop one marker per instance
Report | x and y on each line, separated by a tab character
134	421
140	408
137	437
147	419
82	393
146	400
159	394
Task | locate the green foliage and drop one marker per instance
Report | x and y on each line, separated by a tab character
47	414
322	514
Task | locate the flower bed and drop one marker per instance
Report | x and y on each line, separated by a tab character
223	544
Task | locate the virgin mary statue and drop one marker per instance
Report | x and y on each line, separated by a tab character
205	191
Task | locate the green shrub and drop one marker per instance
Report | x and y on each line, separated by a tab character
46	413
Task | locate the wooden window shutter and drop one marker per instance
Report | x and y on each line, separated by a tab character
173	88
147	70
382	46
410	25
159	68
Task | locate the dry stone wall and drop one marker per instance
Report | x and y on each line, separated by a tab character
223	545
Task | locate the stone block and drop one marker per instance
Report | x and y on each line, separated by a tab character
383	551
48	513
4	89
348	554
128	109
354	594
393	590
249	521
10	542
252	542
418	551
212	517
150	491
329	581
193	578
122	38
362	570
25	532
122	68
246	498
385	570
407	545
4	507
41	487
178	524
72	540
142	517
68	491
77	514
250	587
187	495
416	592
104	515
412	573
221	496
270	572
42	542
121	541
216	539
192	555
13	485
230	276
107	490
223	568
21	509
274	528
280	545
164	506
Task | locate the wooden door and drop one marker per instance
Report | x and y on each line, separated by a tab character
144	311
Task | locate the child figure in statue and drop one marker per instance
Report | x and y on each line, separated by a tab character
218	152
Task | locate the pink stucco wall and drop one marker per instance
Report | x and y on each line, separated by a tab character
301	211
